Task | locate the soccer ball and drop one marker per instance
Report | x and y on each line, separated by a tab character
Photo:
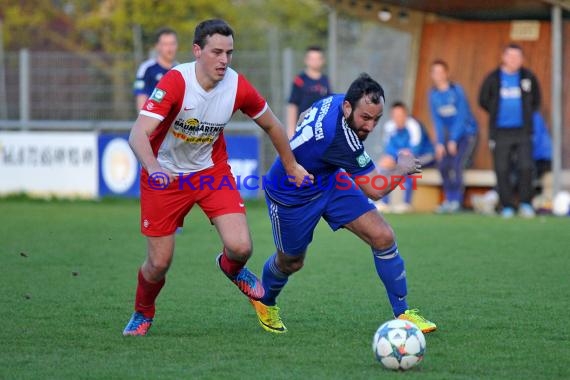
399	344
561	204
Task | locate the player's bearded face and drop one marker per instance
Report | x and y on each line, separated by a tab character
364	117
215	57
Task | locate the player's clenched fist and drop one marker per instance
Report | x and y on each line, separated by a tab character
408	164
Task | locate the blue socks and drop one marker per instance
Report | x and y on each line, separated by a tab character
273	281
389	266
391	270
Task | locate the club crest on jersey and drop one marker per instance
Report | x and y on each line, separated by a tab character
157	95
363	159
526	84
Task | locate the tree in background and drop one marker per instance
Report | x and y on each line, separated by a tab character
120	32
107	25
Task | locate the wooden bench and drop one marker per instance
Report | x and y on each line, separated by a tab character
428	194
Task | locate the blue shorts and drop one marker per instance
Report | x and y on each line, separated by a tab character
293	226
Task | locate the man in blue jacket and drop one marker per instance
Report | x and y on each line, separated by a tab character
456	134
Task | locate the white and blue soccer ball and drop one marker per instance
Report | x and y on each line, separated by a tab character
399	344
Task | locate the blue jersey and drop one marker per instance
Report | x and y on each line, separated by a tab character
324	145
510	113
306	91
451	114
412	136
148	75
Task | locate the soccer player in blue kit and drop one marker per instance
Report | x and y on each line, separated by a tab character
328	143
151	71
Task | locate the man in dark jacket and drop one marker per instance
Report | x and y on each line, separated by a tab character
511	94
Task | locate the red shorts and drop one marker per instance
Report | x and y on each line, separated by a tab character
163	210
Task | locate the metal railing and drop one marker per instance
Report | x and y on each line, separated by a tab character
63	90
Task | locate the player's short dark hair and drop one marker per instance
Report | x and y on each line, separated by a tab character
362	86
163	31
441	63
208	28
316	48
512	45
399	104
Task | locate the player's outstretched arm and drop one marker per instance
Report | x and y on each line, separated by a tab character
140	144
377	185
272	126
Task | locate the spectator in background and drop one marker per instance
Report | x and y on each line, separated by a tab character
511	96
456	134
308	87
542	157
403	133
151	70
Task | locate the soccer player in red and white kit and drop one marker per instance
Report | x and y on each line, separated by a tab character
178	139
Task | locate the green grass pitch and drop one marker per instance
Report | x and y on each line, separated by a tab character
498	290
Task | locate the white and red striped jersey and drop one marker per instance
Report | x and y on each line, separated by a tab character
190	136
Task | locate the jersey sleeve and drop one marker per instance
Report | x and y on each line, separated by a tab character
347	152
248	100
296	91
415	131
388	131
391	148
148	83
139	85
436	118
168	94
461	121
